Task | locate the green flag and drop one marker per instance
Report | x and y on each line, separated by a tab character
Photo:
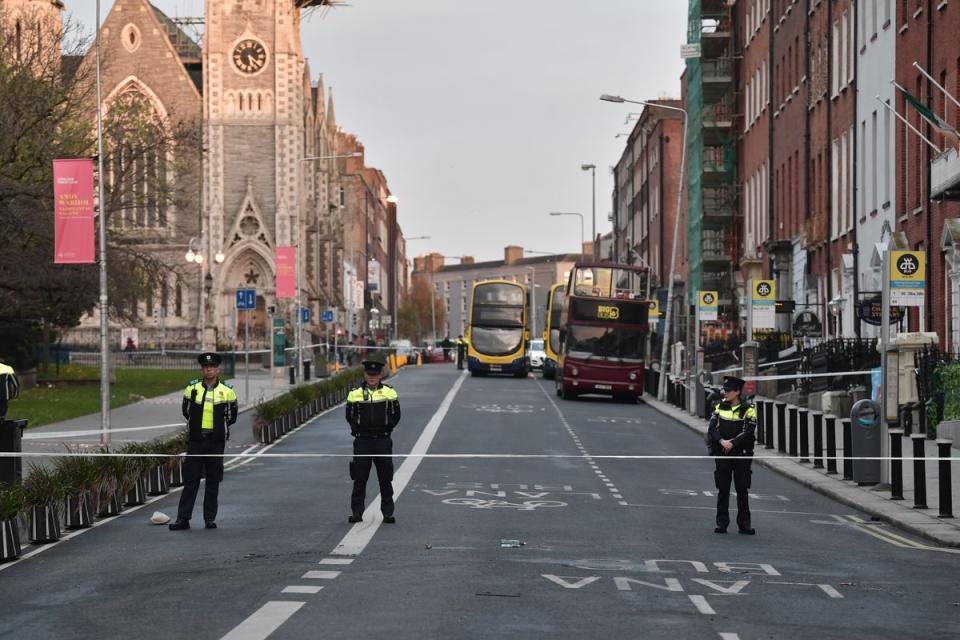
945	128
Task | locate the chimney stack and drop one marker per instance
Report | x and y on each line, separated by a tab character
512	254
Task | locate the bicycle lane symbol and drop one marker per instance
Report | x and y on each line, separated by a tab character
526	505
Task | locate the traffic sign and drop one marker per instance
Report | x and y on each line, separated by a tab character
327	315
709	304
246	299
305	314
908	277
763	302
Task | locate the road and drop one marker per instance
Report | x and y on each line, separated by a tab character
605	547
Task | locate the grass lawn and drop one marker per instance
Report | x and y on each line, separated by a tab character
71	397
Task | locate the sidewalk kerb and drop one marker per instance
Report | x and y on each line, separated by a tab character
881	508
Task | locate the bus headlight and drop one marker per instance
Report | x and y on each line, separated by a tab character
633	375
574	371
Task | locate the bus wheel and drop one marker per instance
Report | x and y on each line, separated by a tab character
567	395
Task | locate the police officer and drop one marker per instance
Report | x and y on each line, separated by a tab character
731	433
461	351
373	410
9	387
210	407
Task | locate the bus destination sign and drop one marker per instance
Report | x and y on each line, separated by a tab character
622	312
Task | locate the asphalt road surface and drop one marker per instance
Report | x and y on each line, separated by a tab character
559	542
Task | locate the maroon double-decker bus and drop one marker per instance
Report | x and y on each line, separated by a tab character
604	332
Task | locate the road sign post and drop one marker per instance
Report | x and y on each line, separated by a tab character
246	301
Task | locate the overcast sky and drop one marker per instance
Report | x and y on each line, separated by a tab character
481	113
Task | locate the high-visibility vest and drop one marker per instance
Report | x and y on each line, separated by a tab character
9	385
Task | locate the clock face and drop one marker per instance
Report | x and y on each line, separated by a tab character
249	56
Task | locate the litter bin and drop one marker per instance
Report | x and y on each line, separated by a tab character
11	432
865	419
306	370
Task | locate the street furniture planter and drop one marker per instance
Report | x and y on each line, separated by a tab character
137	494
109	506
157	480
44	524
78	511
9	540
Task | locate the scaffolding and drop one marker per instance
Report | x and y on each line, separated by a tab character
711	151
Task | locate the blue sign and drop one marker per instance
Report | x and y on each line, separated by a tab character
305	314
246	299
326	315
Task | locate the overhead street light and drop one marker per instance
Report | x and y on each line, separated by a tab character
573	213
662	392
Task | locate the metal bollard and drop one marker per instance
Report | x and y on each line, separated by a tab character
293	374
768	422
792	452
831	422
919	471
760	419
847	445
817	439
946	485
896	464
782	427
804	435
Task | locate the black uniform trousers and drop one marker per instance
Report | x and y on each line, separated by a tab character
461	355
738	471
360	471
193	468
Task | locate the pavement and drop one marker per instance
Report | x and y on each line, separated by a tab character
874	500
518	515
139	421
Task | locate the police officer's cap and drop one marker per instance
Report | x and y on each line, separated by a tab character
732	383
373	363
209	359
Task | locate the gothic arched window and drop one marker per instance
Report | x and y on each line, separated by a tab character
137	163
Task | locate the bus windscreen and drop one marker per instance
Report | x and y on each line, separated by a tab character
619	344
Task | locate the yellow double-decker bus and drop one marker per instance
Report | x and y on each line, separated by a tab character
556	304
497	336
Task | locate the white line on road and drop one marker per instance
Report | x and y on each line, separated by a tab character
301	588
264	620
702	605
336	561
729	636
320	575
361	533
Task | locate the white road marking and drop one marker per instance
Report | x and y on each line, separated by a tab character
336	561
359	536
826	588
702	605
264	620
320	575
729	636
301	588
617	496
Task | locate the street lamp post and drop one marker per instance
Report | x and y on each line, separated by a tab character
592	168
205	286
572	213
662	391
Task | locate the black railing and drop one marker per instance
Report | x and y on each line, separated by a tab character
837	356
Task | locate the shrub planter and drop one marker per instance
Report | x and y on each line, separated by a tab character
175	471
266	432
9	540
109	506
78	511
44	524
137	494
157	480
275	430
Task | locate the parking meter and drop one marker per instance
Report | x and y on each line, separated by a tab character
865	417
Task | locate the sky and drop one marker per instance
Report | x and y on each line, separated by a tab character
480	114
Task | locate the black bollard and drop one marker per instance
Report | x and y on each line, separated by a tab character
760	419
847	445
793	432
946	485
896	464
919	471
782	427
817	439
804	435
831	422
293	374
768	423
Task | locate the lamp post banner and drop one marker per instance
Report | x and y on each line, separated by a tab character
286	272
74	225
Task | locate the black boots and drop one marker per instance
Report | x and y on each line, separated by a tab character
180	525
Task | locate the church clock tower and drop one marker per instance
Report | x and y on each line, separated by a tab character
253	136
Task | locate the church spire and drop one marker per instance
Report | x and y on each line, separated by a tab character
331	118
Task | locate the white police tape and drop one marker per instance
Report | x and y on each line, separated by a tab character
793	376
486	456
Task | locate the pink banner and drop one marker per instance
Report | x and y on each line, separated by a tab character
286	272
73	220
